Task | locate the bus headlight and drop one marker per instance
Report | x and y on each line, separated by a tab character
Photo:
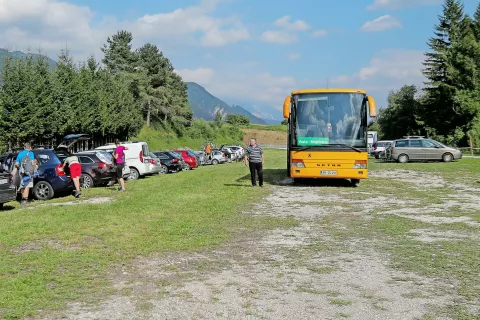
360	164
298	163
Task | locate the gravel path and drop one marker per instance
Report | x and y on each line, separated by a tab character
297	273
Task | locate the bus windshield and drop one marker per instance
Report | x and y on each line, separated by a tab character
323	119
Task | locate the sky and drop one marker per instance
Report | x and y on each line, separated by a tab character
245	51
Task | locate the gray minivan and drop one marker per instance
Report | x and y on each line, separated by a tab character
422	149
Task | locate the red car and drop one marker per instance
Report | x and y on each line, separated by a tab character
189	157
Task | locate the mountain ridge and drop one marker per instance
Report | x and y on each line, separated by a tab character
205	105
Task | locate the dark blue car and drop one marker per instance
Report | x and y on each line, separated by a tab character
51	179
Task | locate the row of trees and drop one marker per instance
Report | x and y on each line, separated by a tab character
131	88
448	108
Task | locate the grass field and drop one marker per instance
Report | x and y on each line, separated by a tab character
51	254
422	219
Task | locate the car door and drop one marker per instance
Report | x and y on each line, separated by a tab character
432	151
415	150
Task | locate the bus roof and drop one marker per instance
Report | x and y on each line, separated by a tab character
330	90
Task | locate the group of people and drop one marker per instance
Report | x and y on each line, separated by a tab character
26	166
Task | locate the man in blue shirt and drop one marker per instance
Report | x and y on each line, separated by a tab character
26	180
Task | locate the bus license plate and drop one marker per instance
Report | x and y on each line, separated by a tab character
328	172
3	181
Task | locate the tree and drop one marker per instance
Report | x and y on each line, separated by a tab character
400	118
439	106
284	122
119	56
238	120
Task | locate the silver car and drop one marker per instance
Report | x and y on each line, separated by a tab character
423	149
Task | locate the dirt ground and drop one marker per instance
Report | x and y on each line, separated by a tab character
265	137
304	272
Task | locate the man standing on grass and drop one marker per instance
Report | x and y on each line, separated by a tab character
26	166
119	156
254	159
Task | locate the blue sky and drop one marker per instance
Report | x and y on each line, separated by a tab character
244	51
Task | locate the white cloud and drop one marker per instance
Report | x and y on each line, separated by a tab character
234	86
55	24
389	69
399	4
294	56
382	23
285	23
279	37
200	75
320	33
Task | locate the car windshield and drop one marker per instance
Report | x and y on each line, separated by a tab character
191	153
330	118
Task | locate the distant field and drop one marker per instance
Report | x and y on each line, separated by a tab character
265	134
275	127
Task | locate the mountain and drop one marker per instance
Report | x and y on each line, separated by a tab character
18	54
205	105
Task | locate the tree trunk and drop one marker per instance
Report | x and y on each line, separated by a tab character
148	115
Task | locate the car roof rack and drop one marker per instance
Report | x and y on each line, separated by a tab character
413	137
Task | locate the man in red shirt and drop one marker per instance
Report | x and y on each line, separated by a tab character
119	156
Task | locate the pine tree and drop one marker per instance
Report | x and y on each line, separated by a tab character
439	109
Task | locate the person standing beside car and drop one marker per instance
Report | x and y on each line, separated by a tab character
254	159
26	166
75	172
119	155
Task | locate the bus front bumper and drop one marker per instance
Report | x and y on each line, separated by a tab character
329	173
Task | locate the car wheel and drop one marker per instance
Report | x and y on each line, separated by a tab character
187	167
1	206
86	181
43	191
214	161
447	157
134	174
403	158
163	169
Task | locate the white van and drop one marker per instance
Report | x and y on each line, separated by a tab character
136	157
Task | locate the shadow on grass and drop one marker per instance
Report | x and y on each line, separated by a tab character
278	177
7	208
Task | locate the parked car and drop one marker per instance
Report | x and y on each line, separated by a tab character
189	157
7	191
98	168
170	161
51	180
423	149
155	164
136	157
379	147
185	166
218	157
239	152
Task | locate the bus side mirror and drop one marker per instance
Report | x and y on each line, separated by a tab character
372	107
286	107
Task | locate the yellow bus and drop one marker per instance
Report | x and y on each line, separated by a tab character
327	133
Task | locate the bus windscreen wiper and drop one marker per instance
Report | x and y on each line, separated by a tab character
342	145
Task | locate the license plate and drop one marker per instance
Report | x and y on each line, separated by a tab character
3	181
328	172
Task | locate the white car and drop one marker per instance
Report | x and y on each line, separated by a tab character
239	151
136	157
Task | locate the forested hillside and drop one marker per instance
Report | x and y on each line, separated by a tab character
129	89
448	108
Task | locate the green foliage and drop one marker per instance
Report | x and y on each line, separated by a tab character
40	104
450	108
238	120
399	119
284	122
